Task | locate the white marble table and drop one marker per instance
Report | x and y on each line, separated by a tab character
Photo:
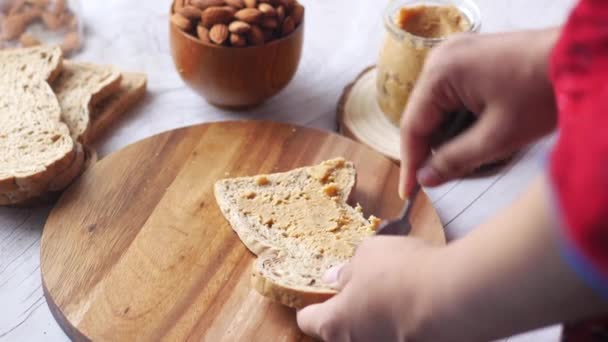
342	37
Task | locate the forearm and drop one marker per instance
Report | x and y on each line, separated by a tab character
508	275
542	43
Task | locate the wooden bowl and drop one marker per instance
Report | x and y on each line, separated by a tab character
236	77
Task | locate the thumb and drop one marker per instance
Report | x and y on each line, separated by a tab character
324	321
458	157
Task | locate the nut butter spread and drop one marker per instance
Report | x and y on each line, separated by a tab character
312	212
402	56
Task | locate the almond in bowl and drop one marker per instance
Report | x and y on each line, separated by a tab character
236	53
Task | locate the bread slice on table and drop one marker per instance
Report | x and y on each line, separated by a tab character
299	224
49	108
78	88
85	157
36	146
132	90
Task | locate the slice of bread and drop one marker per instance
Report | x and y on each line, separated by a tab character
79	87
36	145
65	178
59	182
132	90
299	224
20	199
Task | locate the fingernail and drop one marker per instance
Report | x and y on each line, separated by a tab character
331	275
401	192
427	176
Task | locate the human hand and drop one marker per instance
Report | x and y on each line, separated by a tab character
381	298
502	78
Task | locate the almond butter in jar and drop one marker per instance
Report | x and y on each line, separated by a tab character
413	28
25	23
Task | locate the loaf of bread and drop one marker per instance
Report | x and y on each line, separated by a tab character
299	224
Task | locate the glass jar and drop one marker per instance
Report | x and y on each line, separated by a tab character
25	23
403	53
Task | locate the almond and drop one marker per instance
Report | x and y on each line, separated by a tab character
255	36
281	13
190	12
251	3
59	6
42	4
267	10
239	27
204	4
237	40
288	26
297	14
16	7
178	5
269	23
72	22
288	4
14	25
231	9
219	34
51	21
216	15
249	15
180	21
203	33
272	2
71	42
238	4
28	40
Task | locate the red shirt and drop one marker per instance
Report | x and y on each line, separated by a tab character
579	162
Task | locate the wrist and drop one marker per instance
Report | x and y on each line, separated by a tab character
544	41
449	304
440	310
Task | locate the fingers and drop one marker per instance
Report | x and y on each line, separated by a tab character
465	153
430	100
320	320
338	276
421	118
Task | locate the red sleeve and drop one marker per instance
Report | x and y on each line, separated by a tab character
579	162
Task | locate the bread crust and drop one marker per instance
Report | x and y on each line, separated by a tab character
77	100
88	157
131	91
292	297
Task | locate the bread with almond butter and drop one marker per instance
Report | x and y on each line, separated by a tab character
299	224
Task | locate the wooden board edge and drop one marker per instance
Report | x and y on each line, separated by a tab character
72	332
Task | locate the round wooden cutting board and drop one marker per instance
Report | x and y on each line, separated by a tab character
360	118
137	248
